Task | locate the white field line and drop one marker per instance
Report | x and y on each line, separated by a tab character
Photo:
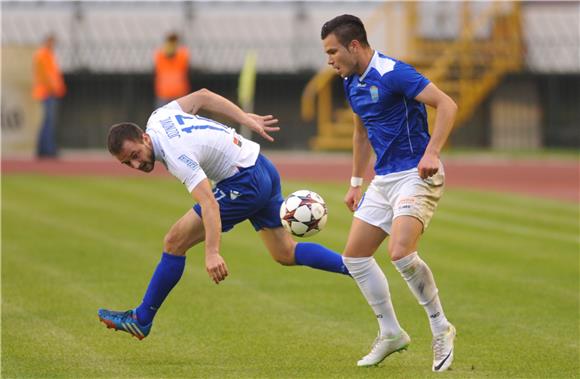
505	228
92	359
182	200
454	216
503	273
526	213
50	270
510	199
134	248
68	228
79	201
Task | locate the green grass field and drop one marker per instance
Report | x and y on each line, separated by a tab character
507	269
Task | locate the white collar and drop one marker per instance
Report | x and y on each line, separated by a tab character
157	150
371	65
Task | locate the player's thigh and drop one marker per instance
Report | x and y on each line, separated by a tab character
268	180
363	239
416	197
185	233
405	235
279	244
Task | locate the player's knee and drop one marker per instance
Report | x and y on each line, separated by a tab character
399	249
284	261
284	256
174	243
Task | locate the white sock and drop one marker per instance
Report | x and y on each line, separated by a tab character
375	288
420	280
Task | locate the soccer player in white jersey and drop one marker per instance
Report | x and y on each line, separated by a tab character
388	97
247	187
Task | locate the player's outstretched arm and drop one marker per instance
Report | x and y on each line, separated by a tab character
214	263
212	102
444	118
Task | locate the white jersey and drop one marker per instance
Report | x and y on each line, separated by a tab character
194	148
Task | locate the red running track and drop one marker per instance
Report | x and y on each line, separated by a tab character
554	179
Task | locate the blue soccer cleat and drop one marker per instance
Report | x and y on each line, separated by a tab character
125	321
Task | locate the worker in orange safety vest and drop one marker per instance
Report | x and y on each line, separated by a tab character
171	71
48	87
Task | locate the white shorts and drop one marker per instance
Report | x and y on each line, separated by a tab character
401	193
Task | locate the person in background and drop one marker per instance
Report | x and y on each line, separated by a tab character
171	71
48	88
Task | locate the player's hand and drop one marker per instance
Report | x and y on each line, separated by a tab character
428	165
352	198
262	125
216	267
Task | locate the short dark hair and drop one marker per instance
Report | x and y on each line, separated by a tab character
172	37
346	28
119	133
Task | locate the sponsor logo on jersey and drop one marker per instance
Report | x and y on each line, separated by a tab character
374	93
188	161
406	203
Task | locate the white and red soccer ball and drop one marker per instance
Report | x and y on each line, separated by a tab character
303	213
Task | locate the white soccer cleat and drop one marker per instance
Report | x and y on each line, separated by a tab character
443	349
383	347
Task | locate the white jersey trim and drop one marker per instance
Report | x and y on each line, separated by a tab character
381	64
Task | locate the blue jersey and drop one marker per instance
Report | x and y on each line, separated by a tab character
396	123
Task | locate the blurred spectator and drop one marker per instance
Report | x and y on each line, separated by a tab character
171	71
48	87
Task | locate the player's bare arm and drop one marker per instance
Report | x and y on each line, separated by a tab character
214	263
361	153
205	99
445	116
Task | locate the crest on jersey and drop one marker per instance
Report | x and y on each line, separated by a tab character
374	93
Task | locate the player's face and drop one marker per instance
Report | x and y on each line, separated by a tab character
340	58
138	155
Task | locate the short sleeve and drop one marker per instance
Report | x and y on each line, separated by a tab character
186	169
174	106
406	80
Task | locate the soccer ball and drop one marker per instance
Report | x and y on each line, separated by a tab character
303	213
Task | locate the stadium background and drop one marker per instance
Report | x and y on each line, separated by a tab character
504	243
106	52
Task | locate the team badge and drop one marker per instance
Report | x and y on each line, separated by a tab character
374	93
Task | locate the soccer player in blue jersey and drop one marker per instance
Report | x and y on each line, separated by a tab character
196	150
388	97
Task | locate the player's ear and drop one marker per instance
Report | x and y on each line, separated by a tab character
146	139
353	46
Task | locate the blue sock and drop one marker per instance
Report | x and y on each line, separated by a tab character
318	256
165	277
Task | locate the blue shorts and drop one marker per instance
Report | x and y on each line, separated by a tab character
252	194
